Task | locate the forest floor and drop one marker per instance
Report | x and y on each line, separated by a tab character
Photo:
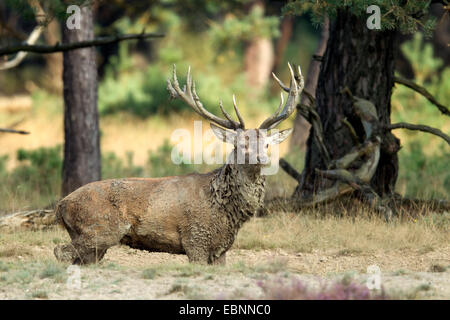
414	259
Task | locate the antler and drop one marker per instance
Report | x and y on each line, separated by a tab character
189	95
294	91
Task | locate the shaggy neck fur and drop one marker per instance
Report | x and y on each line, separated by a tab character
238	190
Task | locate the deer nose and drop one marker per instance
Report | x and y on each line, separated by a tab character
263	159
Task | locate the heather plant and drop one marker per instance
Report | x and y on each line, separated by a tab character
295	289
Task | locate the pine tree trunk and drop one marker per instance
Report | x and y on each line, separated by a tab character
81	148
362	60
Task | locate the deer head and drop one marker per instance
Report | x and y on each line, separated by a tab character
250	145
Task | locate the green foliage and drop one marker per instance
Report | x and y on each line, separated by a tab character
129	87
44	164
423	158
410	106
114	167
52	8
36	181
145	93
38	173
126	88
37	178
234	30
159	164
406	16
424	176
51	270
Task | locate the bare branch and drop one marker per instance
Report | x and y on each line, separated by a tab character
34	36
424	92
32	39
290	170
352	131
100	41
14	131
419	127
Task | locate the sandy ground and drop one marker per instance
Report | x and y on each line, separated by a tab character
121	275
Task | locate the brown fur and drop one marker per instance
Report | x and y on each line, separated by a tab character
196	214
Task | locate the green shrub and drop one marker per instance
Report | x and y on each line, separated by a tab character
51	270
159	163
423	160
423	176
114	167
40	167
36	181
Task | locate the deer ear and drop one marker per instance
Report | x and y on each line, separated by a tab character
224	135
279	136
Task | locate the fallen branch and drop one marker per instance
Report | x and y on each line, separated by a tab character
33	219
14	131
419	127
352	131
424	92
44	49
290	170
368	195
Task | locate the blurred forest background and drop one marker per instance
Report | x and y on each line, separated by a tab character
232	47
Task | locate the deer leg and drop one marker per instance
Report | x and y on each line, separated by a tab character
220	260
195	252
86	248
79	253
197	255
66	253
89	243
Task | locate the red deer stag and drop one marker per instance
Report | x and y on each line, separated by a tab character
196	214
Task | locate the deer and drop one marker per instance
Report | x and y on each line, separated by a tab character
197	214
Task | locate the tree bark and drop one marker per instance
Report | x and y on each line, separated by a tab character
362	60
82	146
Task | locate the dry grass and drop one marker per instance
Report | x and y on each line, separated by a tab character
273	246
30	245
345	235
302	232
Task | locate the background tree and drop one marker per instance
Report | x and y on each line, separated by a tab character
82	157
362	61
212	37
82	138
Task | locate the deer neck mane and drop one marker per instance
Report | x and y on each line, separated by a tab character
238	190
